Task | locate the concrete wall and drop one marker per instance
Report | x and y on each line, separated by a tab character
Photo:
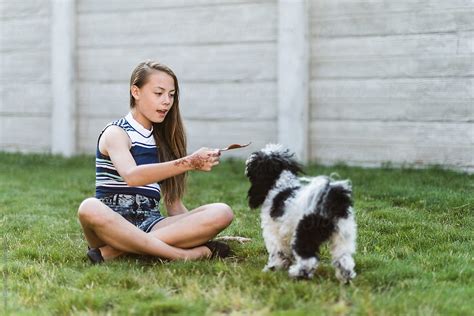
392	81
223	52
389	80
25	80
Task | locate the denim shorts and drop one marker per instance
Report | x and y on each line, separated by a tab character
141	211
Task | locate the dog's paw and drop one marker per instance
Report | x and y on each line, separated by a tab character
268	268
345	269
345	276
304	269
300	274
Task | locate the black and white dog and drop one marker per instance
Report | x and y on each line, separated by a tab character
299	214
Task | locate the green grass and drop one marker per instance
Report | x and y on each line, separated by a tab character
415	249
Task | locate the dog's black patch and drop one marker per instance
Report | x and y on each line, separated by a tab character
316	228
337	201
258	192
312	231
278	206
264	169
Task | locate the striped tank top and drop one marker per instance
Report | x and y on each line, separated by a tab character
143	150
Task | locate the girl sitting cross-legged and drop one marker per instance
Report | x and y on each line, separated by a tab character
139	159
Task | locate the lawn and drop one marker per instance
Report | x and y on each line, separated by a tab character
415	249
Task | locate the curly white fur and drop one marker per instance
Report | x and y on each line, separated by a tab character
295	214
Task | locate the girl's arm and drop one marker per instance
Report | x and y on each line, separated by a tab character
116	144
176	208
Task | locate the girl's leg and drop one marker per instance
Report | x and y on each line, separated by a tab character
195	227
102	226
187	230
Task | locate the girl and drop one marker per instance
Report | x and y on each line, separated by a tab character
139	158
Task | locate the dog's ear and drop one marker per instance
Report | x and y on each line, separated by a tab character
257	170
256	195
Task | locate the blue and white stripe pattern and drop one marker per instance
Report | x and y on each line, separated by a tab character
143	150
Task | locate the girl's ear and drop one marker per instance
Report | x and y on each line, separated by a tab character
135	91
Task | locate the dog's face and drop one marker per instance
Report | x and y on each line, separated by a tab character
264	167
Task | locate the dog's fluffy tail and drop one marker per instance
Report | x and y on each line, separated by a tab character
336	199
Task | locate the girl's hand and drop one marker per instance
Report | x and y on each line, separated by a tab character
204	159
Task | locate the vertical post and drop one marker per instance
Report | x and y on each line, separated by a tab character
293	76
63	123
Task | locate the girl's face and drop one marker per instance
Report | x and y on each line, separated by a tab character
154	99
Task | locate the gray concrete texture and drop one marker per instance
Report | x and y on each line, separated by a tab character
388	80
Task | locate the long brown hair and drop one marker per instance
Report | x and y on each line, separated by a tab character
169	135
